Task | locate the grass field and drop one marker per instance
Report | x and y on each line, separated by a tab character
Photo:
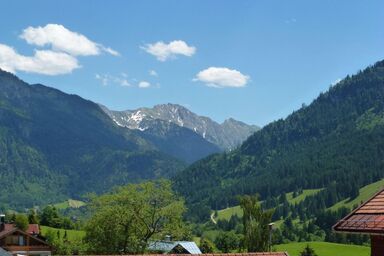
302	196
365	193
236	210
72	235
325	249
226	214
70	203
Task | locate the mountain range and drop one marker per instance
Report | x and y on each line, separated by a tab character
226	136
55	146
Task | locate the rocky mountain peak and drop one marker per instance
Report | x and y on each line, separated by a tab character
226	136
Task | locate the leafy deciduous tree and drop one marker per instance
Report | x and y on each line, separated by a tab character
21	222
124	221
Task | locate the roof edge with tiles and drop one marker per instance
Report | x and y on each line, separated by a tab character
341	228
211	254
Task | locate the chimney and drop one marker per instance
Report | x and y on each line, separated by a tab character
2	222
168	238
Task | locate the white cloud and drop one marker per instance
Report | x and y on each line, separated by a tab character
144	84
45	62
124	82
222	77
61	57
121	80
63	40
103	79
153	73
111	51
163	51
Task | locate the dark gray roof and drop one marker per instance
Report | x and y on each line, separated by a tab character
4	252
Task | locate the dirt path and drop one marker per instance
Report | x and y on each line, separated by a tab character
213	218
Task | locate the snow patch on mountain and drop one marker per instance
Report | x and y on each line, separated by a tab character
227	135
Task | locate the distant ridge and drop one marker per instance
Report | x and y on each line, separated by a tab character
228	135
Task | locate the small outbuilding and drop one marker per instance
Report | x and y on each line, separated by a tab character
226	254
367	219
174	247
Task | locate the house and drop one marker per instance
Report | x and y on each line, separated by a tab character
367	219
14	241
174	247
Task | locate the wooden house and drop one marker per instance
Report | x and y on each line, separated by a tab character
18	242
367	219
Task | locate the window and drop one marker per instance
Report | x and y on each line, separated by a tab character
21	241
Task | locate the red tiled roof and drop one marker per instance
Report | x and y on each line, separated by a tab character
219	254
8	227
368	218
6	231
32	228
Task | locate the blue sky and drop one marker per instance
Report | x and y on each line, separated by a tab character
255	61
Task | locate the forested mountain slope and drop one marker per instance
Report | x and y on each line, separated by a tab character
55	146
338	138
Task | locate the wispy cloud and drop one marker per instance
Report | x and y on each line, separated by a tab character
221	77
163	51
291	20
107	79
153	73
144	84
110	51
122	80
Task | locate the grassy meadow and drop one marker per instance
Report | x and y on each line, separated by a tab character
324	249
70	203
236	210
72	235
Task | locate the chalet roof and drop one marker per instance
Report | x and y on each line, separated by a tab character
32	228
167	246
367	218
10	231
